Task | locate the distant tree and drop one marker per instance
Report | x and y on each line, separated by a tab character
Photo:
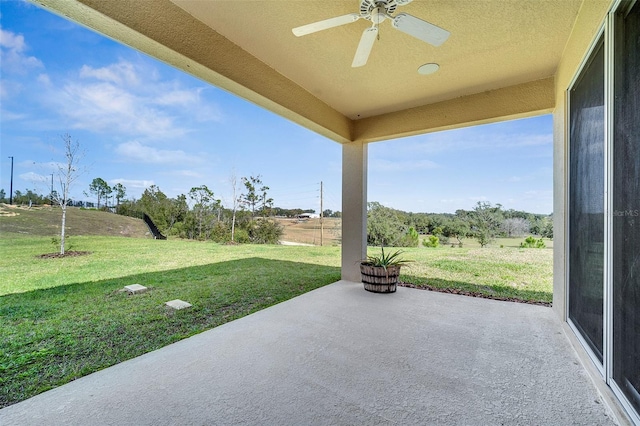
3	196
177	211
156	204
255	198
67	174
29	197
547	228
485	222
120	191
249	200
515	226
420	221
100	189
203	209
17	195
384	227
456	228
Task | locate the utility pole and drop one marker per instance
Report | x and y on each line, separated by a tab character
321	217
11	186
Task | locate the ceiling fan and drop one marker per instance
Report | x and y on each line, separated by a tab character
377	11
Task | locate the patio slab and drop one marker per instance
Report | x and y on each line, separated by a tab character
341	355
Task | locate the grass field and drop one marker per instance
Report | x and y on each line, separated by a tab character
62	318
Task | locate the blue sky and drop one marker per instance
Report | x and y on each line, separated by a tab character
141	122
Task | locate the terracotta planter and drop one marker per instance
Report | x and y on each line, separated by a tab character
378	279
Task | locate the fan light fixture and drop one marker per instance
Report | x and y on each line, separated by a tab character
427	69
378	11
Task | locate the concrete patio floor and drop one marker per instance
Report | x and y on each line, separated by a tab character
341	355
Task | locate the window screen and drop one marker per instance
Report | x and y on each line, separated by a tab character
586	201
626	205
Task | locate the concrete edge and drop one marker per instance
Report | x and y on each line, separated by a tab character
616	410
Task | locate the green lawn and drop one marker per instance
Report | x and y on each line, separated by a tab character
502	273
63	318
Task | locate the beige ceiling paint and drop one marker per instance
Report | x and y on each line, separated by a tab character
498	62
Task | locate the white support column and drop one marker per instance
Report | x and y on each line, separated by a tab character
560	201
354	209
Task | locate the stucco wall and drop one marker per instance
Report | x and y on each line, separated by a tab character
586	29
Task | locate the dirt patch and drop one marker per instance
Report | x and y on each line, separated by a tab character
472	294
71	253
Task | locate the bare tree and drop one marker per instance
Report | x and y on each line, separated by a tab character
233	180
67	174
515	226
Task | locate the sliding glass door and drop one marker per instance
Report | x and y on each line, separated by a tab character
586	201
603	241
626	205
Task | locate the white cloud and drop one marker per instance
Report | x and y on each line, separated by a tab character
130	99
44	79
10	116
132	183
179	97
13	58
135	151
34	177
121	74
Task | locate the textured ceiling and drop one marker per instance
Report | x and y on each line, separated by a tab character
493	44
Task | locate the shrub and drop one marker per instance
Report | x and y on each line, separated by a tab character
411	239
241	236
432	241
531	242
220	233
265	231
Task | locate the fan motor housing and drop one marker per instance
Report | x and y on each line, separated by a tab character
367	7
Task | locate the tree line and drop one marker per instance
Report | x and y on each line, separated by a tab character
200	215
485	222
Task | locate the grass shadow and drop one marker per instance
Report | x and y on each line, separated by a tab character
56	335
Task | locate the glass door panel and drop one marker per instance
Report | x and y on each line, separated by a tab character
626	205
586	201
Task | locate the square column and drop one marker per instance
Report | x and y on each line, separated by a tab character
354	209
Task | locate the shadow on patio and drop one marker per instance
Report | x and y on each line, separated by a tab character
341	355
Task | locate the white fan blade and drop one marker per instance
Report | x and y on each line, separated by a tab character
420	29
326	24
364	48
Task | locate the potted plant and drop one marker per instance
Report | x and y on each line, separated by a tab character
380	273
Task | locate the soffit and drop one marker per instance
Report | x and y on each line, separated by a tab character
493	44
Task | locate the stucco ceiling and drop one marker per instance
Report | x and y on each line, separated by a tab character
492	44
498	62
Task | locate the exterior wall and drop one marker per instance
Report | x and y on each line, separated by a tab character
590	20
586	29
354	209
